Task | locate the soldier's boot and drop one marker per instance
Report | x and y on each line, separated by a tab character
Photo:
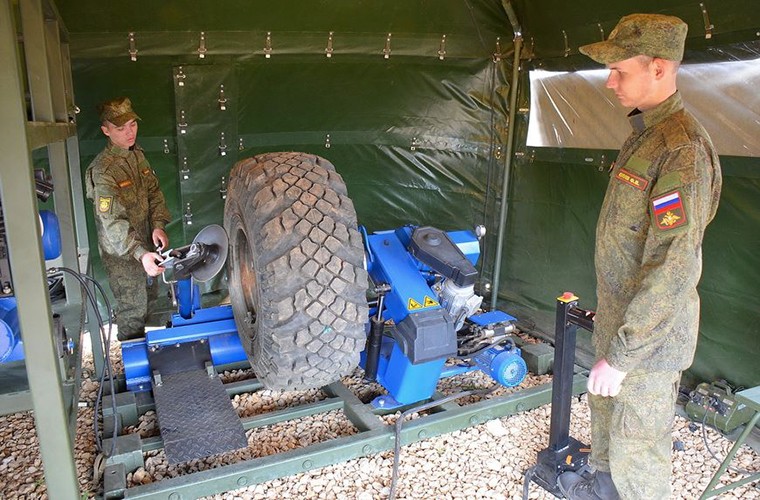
598	487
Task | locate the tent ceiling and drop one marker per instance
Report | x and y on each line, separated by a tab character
552	29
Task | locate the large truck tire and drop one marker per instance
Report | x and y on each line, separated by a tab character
296	276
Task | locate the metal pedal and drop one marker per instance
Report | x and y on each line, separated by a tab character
195	415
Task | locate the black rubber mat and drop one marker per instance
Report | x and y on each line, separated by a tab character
196	417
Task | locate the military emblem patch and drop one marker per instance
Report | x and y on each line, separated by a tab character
104	204
125	184
669	211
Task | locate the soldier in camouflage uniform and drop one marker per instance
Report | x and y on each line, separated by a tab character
663	191
130	216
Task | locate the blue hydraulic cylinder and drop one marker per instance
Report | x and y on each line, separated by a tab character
11	345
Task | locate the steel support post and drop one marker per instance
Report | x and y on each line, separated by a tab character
27	267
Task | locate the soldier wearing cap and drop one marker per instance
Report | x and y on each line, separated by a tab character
130	216
663	191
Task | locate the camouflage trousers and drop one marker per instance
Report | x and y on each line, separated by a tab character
133	294
631	434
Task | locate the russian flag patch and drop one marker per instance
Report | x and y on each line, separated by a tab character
669	211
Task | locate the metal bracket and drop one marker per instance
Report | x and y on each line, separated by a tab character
180	76
567	45
327	141
182	125
223	188
222	145
415	143
185	170
188	215
222	99
202	46
329	49
268	45
132	47
387	49
497	52
442	48
708	25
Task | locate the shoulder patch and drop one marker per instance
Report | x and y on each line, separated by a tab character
104	204
669	211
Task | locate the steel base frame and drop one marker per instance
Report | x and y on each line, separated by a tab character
374	436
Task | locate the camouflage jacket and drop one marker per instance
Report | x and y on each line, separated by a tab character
663	191
128	202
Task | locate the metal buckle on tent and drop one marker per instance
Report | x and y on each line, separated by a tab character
415	143
166	146
182	125
240	144
442	49
222	100
329	49
202	46
180	76
497	52
708	25
327	141
268	45
601	30
222	145
223	189
387	49
567	46
185	170
188	215
132	47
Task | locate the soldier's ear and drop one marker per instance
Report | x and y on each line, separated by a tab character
105	131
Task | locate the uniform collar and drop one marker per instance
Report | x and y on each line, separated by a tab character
642	120
116	150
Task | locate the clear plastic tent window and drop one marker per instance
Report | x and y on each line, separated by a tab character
575	110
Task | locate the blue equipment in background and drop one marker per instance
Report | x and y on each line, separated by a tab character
11	343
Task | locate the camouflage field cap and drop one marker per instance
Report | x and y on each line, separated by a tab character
653	35
117	111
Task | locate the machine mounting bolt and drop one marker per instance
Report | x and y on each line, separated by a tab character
242	481
367	449
422	434
474	420
308	464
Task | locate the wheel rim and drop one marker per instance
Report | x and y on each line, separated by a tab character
247	300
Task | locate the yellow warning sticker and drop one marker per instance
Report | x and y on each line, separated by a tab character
413	305
429	302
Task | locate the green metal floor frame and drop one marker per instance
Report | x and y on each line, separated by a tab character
373	436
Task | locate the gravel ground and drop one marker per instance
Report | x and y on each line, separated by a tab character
481	462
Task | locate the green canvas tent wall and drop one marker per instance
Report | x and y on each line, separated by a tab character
412	101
